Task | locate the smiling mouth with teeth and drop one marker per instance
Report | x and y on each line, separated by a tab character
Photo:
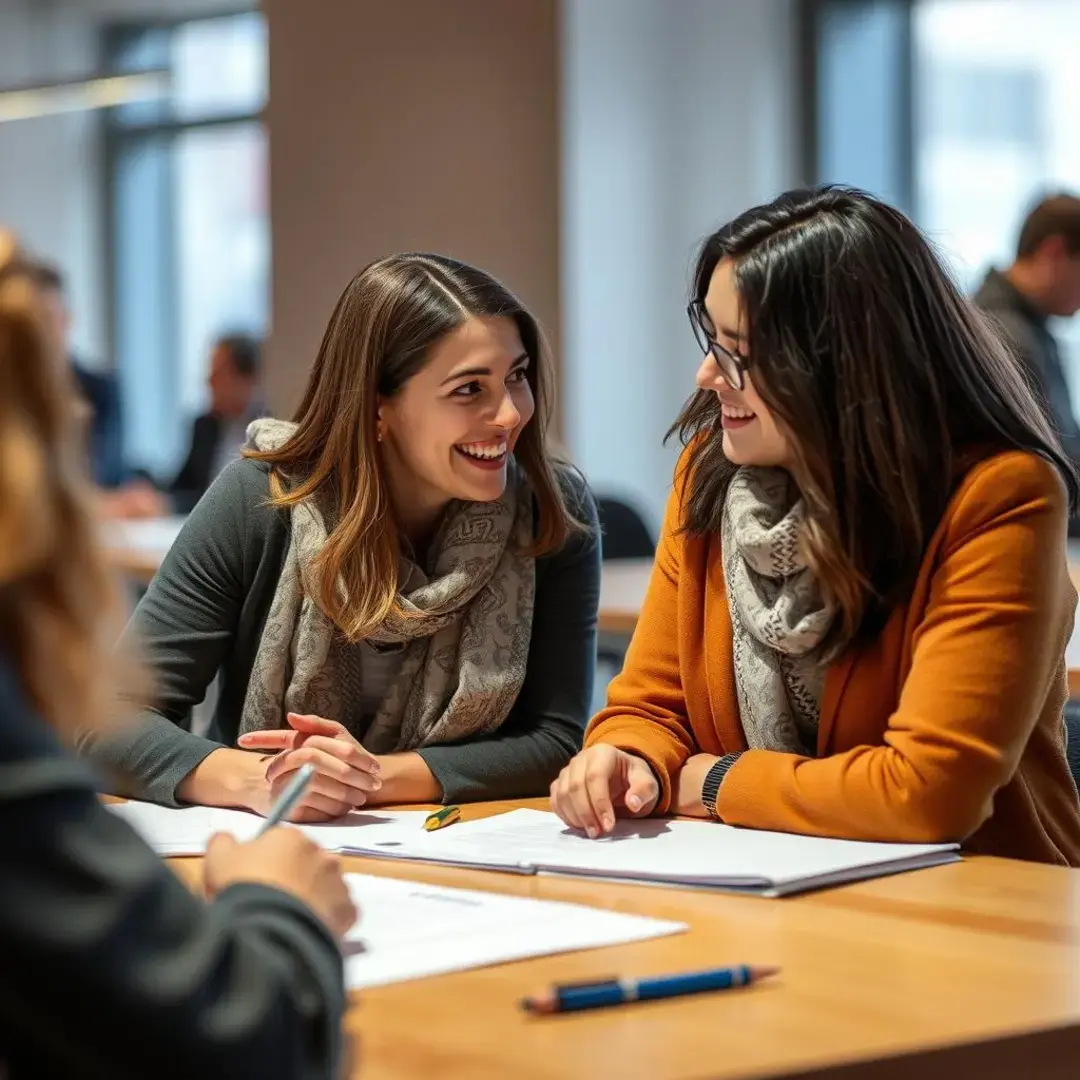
489	453
735	417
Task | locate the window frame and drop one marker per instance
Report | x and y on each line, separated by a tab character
118	139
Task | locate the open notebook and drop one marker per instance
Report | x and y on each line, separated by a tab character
657	851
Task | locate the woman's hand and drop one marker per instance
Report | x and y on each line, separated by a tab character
345	773
600	784
686	794
283	859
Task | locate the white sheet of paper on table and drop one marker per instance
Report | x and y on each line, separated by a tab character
187	830
409	930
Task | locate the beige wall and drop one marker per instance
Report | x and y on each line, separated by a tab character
407	125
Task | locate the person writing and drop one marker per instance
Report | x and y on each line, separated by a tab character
857	618
400	587
111	966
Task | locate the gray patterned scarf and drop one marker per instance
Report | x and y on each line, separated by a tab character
464	625
778	616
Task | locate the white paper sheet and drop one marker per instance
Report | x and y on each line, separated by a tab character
187	830
408	930
659	850
150	536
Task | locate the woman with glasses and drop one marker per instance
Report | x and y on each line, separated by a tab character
857	620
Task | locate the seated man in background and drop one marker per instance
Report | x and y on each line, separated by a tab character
1043	281
122	495
218	435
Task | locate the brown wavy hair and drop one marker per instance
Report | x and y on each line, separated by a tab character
381	334
886	378
59	611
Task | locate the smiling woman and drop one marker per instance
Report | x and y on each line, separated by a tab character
400	586
857	623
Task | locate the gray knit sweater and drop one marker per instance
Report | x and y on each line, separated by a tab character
204	613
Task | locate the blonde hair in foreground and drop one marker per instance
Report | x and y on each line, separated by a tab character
58	608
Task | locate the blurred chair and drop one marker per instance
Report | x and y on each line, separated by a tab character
1072	730
624	535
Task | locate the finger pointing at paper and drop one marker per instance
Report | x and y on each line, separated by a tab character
601	784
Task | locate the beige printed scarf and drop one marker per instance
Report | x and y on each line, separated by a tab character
778	616
465	625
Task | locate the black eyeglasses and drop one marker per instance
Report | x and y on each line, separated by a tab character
732	365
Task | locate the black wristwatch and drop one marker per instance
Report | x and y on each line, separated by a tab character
710	789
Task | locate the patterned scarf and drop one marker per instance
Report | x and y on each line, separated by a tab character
778	616
464	625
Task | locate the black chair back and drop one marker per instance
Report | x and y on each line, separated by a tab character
625	534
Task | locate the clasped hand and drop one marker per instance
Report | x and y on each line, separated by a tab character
345	773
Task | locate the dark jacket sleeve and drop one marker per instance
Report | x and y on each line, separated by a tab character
1050	390
546	726
192	481
110	967
183	628
102	392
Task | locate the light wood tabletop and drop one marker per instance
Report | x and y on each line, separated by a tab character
966	970
135	549
623	585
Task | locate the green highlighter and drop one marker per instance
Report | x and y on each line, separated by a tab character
441	818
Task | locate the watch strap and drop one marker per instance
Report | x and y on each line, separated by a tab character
710	789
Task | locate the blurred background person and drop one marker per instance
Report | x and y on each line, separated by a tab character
1042	283
99	938
218	435
122	494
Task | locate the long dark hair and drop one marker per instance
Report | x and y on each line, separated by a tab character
381	334
885	377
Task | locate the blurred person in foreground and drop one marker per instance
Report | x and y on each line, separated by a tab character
121	494
218	436
1042	283
109	966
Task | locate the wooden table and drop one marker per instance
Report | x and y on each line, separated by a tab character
622	592
136	549
623	587
968	970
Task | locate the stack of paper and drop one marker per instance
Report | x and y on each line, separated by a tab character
408	930
656	851
187	830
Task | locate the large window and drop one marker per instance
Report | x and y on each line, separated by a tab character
189	219
997	85
964	115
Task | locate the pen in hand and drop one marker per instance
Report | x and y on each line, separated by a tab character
288	799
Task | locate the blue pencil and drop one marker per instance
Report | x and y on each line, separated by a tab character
595	995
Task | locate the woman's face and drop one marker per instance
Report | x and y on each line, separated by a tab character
447	434
751	434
